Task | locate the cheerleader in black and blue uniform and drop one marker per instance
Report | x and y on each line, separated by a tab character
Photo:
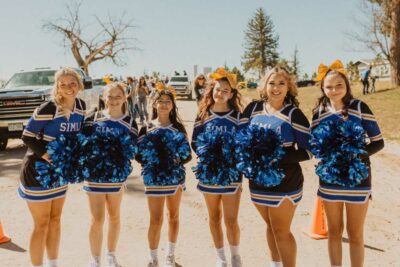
108	194
165	120
63	114
278	110
220	110
338	103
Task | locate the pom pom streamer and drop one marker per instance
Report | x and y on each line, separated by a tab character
65	154
108	157
217	160
259	151
162	155
339	145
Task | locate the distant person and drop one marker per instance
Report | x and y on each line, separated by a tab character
199	86
365	81
142	90
373	80
167	80
131	97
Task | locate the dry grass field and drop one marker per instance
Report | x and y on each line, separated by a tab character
385	104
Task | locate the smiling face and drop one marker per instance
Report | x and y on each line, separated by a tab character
163	105
276	88
334	87
114	98
222	92
68	87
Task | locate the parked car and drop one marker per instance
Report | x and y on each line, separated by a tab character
25	91
181	84
247	84
305	83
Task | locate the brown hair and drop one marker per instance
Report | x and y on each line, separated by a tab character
196	80
207	101
60	73
323	100
120	86
291	96
173	115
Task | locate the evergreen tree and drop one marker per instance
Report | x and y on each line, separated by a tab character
295	68
240	76
261	43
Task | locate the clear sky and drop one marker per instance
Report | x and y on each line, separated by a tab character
176	34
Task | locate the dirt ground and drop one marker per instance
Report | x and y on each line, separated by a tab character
382	228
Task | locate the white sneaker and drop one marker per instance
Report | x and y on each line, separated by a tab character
94	263
112	261
170	261
236	261
221	263
152	263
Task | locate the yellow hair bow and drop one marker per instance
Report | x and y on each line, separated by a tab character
223	73
337	65
161	86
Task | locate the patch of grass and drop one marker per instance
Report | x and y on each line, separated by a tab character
385	104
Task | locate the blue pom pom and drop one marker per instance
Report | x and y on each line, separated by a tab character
259	151
108	157
339	145
217	161
65	156
162	156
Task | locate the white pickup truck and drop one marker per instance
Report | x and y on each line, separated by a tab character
182	85
25	91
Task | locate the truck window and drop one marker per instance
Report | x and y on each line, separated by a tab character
37	78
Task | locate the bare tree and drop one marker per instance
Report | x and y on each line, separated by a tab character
110	41
380	32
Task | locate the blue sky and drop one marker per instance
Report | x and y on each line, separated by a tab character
176	34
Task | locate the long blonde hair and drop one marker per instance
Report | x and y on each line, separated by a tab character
56	96
291	96
120	86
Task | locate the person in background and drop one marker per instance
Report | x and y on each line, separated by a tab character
131	97
142	90
199	86
365	81
373	80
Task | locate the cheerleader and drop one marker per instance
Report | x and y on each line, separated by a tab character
338	103
165	121
107	194
278	110
220	110
63	114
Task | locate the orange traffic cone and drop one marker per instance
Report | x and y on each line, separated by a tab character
318	229
3	237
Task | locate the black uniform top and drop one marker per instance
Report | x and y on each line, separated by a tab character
358	111
294	129
46	124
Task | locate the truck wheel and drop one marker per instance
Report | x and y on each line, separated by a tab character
3	143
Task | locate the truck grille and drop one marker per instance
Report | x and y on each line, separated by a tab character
19	107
